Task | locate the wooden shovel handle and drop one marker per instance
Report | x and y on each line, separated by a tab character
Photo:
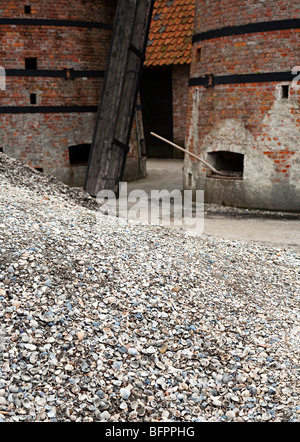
189	153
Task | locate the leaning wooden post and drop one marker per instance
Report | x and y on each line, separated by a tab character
116	111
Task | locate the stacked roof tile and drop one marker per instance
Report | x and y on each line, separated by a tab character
171	31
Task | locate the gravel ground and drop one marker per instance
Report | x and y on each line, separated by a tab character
107	321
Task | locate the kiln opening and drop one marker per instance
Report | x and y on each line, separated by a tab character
229	163
79	154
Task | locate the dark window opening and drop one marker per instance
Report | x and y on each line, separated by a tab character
79	154
198	54
1	149
31	63
27	9
229	163
39	169
32	98
285	90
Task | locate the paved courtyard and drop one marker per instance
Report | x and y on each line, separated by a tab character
243	225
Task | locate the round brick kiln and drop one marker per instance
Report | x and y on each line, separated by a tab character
54	55
244	107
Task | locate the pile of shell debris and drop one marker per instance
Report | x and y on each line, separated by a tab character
103	320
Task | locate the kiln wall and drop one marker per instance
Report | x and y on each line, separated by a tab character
54	54
248	104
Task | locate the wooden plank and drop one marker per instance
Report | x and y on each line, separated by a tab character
120	89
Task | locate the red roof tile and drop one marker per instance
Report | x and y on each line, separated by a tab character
172	22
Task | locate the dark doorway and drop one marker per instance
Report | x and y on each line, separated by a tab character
157	108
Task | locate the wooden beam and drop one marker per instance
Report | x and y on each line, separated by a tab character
116	111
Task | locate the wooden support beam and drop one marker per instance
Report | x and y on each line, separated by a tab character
121	83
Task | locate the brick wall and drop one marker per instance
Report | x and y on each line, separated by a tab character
52	91
254	119
89	10
42	139
54	46
240	54
180	78
213	14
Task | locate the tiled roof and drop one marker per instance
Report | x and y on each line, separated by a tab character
170	37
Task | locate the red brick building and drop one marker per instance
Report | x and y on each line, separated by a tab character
243	112
164	88
217	79
54	54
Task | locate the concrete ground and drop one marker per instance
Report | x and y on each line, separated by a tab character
252	226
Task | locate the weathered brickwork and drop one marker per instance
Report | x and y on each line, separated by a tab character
180	78
259	120
87	10
251	53
55	47
52	91
213	14
42	139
